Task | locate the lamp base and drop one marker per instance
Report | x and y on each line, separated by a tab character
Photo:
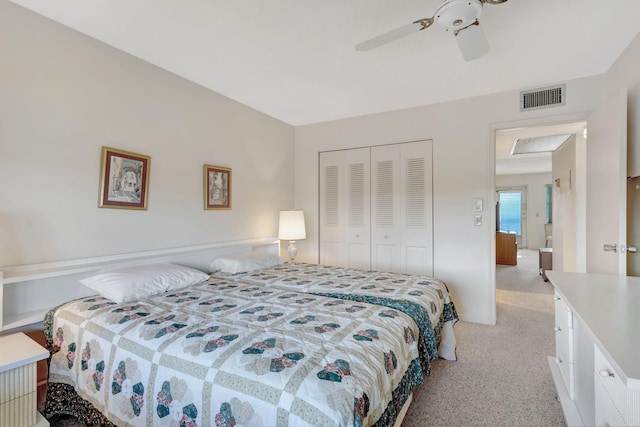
292	250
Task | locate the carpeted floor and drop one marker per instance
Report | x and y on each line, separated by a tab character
501	377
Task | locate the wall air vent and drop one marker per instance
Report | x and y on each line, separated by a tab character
542	98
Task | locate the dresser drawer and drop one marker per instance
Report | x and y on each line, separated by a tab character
617	392
565	344
564	332
606	411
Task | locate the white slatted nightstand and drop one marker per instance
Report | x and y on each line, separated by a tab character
19	355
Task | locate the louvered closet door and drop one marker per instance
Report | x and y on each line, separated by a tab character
402	211
385	210
416	208
345	208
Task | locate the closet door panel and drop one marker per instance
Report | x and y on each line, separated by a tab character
358	207
416	228
417	260
385	256
359	256
385	208
376	208
345	208
331	209
329	254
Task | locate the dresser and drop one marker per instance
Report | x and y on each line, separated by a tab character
596	369
506	249
19	355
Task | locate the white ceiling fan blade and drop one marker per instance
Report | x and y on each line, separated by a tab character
472	42
392	35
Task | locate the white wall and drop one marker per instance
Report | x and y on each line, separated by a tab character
536	203
565	188
464	164
65	95
625	73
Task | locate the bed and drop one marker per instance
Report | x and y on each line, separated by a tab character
244	349
424	298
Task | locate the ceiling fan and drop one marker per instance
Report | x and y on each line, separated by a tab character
459	16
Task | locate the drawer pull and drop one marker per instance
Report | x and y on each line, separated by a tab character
558	360
557	298
606	374
557	329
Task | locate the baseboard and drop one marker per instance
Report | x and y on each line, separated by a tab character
476	319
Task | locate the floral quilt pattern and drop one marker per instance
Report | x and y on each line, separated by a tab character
234	353
425	299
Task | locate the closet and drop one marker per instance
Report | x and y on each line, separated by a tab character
376	208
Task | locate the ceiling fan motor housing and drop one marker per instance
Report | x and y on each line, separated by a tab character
458	14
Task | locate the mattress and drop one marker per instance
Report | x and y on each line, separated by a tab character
235	352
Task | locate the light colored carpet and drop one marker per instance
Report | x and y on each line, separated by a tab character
501	377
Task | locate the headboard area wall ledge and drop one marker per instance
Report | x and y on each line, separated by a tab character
27	292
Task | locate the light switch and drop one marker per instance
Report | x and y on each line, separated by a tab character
477	219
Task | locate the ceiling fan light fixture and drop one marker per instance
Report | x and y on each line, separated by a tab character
472	42
455	14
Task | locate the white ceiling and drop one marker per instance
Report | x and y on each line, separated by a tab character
295	59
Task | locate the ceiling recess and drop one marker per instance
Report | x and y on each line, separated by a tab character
539	144
543	98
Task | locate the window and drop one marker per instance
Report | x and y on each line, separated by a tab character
511	211
549	204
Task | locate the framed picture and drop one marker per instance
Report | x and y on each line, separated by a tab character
217	187
124	179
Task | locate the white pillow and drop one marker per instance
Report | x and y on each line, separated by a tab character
242	263
134	283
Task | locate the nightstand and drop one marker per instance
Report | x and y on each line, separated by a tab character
19	355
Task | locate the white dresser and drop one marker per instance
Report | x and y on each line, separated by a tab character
596	369
18	397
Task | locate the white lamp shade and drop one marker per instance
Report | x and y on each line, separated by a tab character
292	225
472	42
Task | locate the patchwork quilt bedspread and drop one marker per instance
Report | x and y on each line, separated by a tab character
425	298
227	353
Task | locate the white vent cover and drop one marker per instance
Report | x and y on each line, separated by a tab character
543	98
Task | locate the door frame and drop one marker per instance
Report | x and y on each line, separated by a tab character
491	190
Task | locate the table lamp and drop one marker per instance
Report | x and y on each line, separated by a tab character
292	228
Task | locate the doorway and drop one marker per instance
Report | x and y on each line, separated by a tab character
534	172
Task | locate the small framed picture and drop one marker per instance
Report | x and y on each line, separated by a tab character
124	182
477	205
217	187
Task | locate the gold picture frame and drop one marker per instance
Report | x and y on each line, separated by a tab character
124	179
217	187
